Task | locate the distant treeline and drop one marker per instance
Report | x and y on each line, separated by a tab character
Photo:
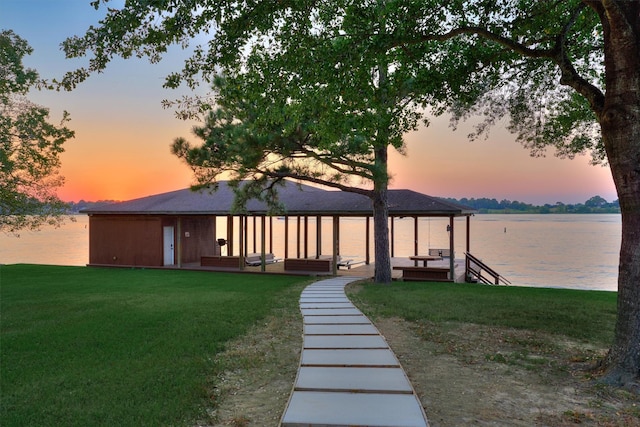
596	204
76	207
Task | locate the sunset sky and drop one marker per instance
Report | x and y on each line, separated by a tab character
121	148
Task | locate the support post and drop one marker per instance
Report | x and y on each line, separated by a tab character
179	243
286	237
298	238
306	237
263	243
229	235
468	233
271	234
337	224
245	227
242	220
318	236
367	243
393	232
215	238
415	235
254	235
451	242
336	243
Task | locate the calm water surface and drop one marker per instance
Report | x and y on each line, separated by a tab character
568	251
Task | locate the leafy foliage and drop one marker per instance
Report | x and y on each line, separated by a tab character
540	65
488	58
350	74
310	95
30	146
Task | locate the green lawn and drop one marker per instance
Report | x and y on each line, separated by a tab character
582	315
121	347
106	347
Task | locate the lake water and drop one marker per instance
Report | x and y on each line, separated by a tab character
567	251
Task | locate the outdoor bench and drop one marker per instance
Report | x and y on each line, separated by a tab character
445	253
308	264
255	259
440	274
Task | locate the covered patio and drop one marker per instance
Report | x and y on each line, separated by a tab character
198	230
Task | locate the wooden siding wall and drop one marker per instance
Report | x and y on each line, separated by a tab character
138	240
197	239
125	240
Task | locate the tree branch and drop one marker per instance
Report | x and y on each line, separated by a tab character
557	54
569	75
337	185
355	167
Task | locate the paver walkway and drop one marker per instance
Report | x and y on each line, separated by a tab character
348	375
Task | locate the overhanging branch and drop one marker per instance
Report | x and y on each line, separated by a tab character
337	185
355	168
557	54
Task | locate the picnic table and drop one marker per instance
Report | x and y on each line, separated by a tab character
424	259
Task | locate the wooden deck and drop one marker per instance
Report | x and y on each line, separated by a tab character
359	270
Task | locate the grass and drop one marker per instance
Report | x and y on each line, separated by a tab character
504	338
583	315
104	347
89	346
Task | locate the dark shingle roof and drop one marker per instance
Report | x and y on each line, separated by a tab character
298	199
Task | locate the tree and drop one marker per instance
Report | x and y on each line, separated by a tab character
596	202
30	146
305	94
322	108
567	74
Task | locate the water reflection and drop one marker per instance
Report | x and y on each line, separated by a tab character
571	251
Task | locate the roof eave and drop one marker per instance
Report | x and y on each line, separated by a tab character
290	213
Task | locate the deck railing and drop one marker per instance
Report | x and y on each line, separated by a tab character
474	269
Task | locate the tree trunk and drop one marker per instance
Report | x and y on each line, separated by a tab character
381	234
623	361
620	123
380	197
622	364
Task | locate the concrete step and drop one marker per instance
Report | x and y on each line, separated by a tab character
311	408
383	358
345	320
344	342
356	380
340	329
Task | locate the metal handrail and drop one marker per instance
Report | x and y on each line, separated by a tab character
469	271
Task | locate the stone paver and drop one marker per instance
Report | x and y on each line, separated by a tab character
313	299
348	375
310	408
329	311
344	320
330	305
369	380
340	329
344	341
352	357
